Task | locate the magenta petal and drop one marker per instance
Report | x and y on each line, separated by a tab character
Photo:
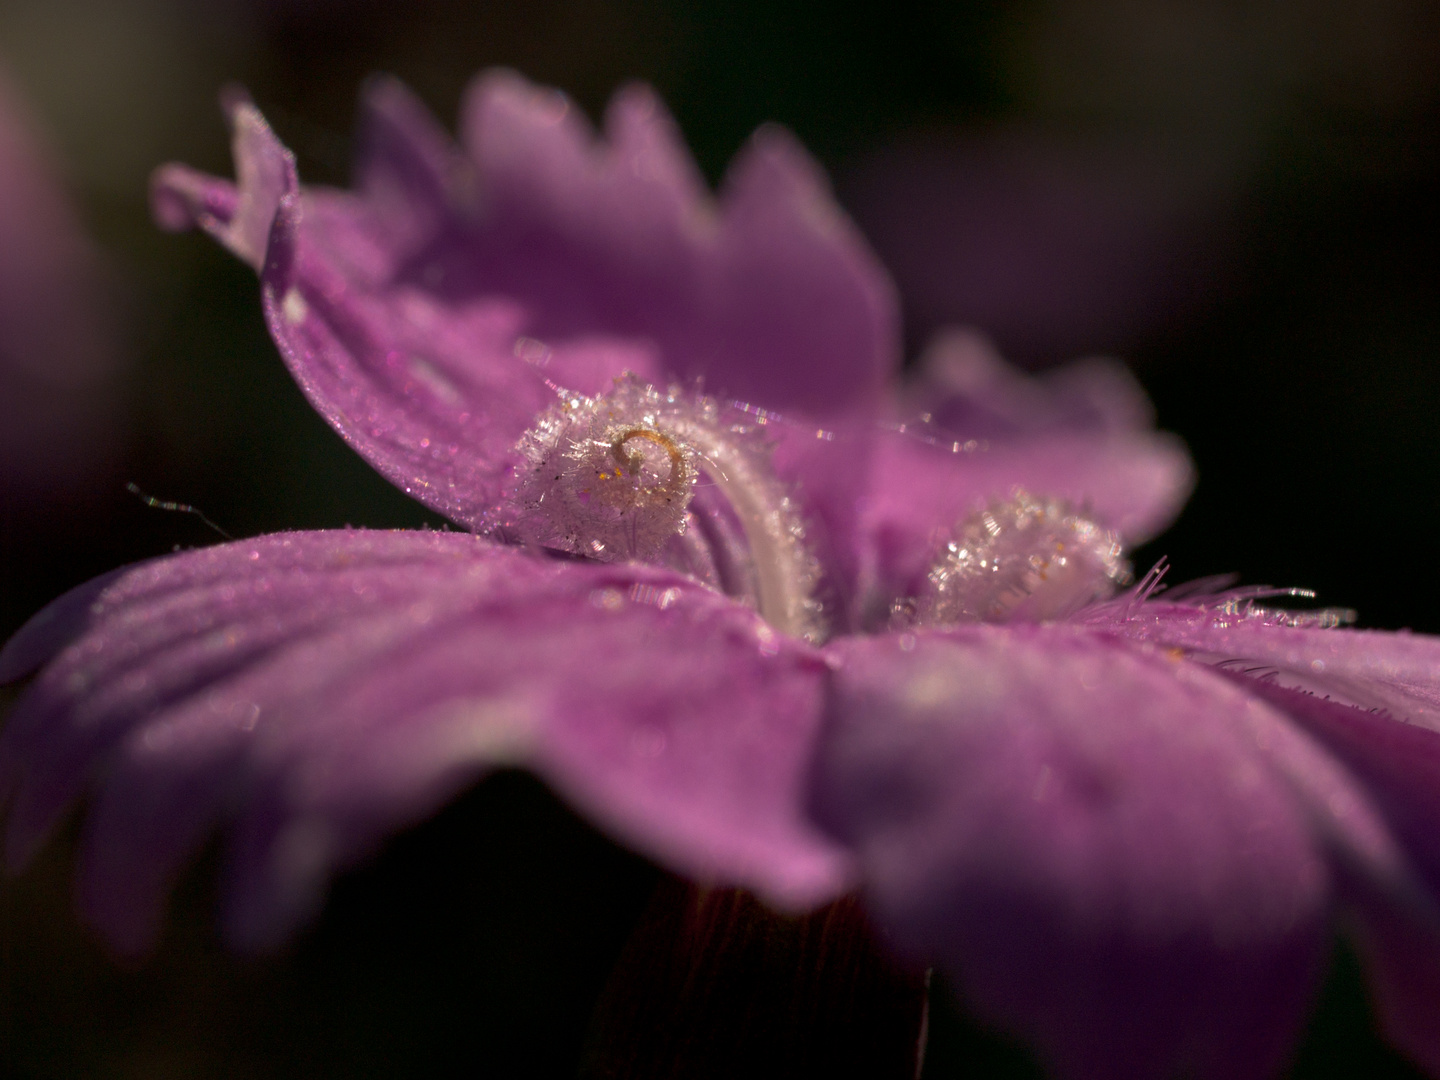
919	489
968	390
430	392
803	314
408	174
238	215
1132	482
672	718
1401	952
769	295
1395	671
1399	765
331	688
434	393
1095	840
976	429
153	635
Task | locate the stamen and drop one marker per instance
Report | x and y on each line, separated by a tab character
632	466
1025	560
785	571
613	478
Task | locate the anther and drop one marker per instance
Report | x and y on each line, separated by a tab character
1024	560
632	465
613	477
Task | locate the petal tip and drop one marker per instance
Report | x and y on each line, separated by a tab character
233	98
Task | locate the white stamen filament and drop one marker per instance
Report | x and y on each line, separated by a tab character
785	571
594	488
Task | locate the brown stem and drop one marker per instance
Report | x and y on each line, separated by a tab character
713	984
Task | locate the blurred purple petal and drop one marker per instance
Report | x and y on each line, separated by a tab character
425	314
768	294
978	429
1097	842
330	688
1402	962
432	394
1051	246
968	390
1399	936
1398	763
60	347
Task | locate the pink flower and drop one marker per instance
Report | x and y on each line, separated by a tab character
758	612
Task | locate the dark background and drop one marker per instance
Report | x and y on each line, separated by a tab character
1239	199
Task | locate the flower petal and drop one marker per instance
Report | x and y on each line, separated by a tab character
151	635
1401	951
976	429
1132	482
1374	669
968	390
1095	839
239	214
340	686
1399	765
431	395
434	393
431	315
769	296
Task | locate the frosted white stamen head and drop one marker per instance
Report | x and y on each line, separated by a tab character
1024	560
614	478
608	477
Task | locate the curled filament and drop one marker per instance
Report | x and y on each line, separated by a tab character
608	477
633	483
614	478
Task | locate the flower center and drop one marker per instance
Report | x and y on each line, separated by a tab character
1025	560
636	480
618	477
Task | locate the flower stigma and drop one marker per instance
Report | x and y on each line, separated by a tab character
633	482
617	478
1027	559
